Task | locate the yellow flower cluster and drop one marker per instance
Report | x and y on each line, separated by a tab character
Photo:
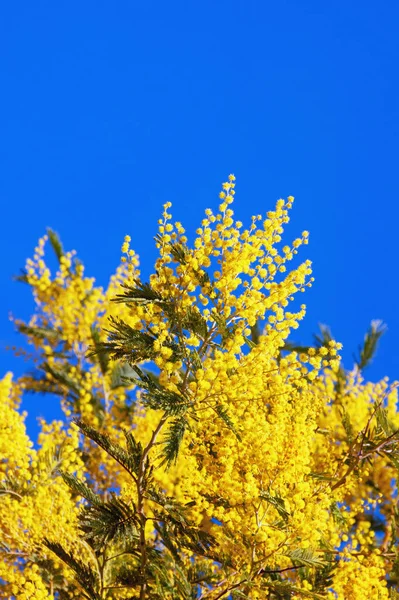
30	586
15	447
35	503
358	577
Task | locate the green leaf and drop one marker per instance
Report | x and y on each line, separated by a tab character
168	540
226	331
125	342
348	427
340	383
204	279
338	515
157	397
80	488
321	476
325	336
135	450
14	487
85	575
120	373
179	252
37	384
121	456
142	293
195	360
183	586
60	374
255	334
371	339
383	422
41	333
323	577
99	353
56	244
53	460
114	520
173	439
238	594
287	588
305	557
224	415
194	322
22	277
277	502
128	575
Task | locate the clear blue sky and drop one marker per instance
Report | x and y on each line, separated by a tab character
110	109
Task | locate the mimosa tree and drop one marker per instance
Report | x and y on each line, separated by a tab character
202	454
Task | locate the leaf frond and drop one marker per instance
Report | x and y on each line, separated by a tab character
85	576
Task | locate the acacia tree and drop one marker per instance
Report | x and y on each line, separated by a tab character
202	455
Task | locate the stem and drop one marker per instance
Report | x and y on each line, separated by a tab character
100	565
102	569
143	549
12	493
151	443
208	592
118	587
262	571
118	555
140	505
229	589
106	398
356	457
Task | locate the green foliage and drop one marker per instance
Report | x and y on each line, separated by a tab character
371	339
141	293
99	352
277	502
112	525
85	575
305	558
126	343
173	439
157	397
124	458
56	244
113	520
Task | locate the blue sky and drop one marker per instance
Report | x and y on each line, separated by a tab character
110	109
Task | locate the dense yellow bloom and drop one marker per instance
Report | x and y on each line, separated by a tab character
284	456
35	501
359	577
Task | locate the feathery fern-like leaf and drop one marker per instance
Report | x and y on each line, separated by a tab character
173	439
85	575
56	244
371	339
80	488
121	455
114	520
